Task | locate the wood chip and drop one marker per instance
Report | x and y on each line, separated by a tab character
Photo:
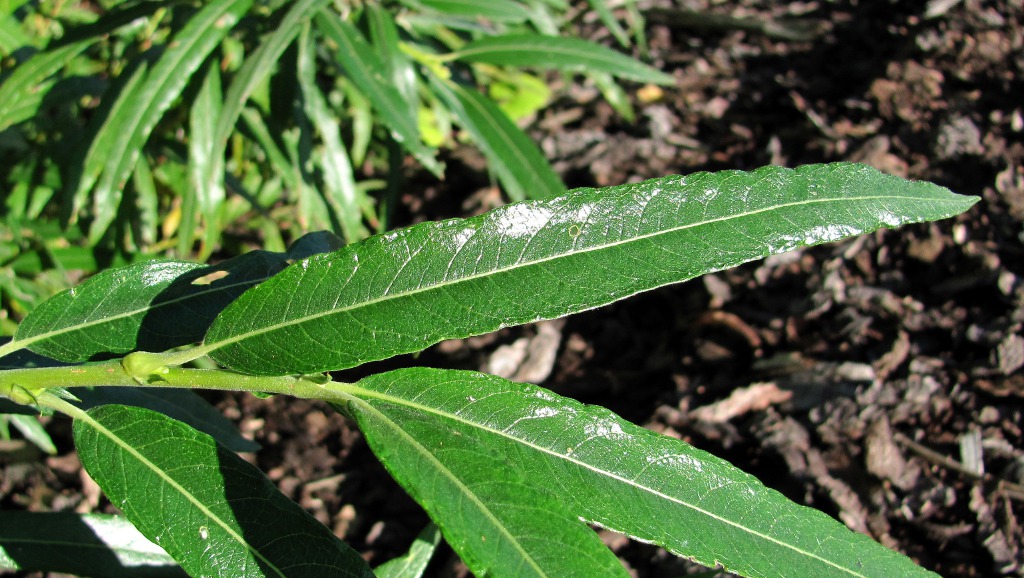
755	397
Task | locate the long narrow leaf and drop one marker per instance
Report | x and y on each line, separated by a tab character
203	117
212	511
113	154
604	469
366	70
384	35
340	191
559	52
34	432
404	290
520	166
253	71
495	10
610	22
82	544
103	133
23	90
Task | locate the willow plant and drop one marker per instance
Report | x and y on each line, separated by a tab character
513	475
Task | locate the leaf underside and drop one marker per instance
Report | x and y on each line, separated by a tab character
212	511
81	544
402	291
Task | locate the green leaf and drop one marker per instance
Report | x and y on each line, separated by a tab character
385	39
254	71
558	52
495	10
202	150
414	562
614	94
34	432
104	314
183	405
86	544
339	189
145	206
215	513
150	306
12	37
520	165
366	70
113	153
22	92
257	127
603	469
498	516
610	22
407	289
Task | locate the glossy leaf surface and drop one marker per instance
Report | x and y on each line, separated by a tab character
495	514
559	52
215	513
83	544
105	313
150	306
404	290
602	469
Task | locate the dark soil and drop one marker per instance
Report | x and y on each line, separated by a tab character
878	380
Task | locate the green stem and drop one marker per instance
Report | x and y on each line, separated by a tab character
113	374
10	347
69	409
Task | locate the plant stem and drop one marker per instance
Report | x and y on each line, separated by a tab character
10	347
113	374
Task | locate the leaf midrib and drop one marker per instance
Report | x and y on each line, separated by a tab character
525	45
429	456
27	341
207	348
354	390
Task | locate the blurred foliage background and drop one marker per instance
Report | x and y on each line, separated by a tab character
137	129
